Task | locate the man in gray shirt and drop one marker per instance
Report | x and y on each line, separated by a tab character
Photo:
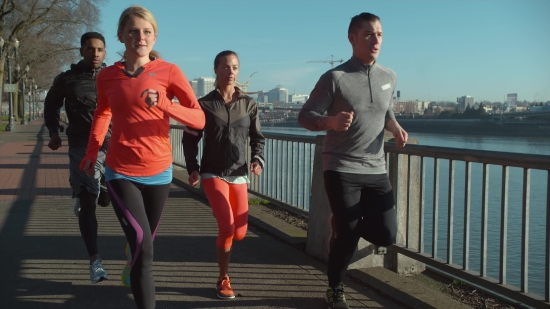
357	99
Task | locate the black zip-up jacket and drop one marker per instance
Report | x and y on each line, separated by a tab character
76	89
226	131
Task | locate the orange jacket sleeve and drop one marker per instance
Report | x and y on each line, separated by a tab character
188	112
100	125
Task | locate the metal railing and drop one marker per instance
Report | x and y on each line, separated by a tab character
445	232
286	177
494	211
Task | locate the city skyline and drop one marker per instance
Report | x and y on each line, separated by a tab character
439	50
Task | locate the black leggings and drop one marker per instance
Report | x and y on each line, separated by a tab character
362	206
139	209
87	221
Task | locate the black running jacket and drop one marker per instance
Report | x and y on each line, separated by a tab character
75	89
225	136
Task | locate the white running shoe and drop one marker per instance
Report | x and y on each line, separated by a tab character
97	273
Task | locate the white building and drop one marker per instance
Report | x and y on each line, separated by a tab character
202	86
464	101
297	98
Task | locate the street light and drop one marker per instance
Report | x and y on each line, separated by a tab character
36	99
23	76
31	100
11	53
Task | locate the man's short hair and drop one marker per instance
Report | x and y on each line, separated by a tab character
357	20
91	35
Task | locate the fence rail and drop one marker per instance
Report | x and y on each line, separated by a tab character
445	241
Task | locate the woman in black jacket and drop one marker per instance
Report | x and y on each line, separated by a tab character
231	118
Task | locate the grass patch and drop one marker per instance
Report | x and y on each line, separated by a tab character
257	201
3	127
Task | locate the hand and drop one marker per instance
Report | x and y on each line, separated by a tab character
151	97
89	168
401	136
341	121
55	142
194	178
256	168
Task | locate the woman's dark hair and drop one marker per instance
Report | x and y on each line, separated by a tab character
223	54
217	61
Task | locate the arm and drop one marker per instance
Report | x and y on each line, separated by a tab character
311	115
188	112
190	142
100	126
393	126
53	103
257	139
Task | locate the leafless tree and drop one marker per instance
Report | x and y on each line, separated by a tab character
49	34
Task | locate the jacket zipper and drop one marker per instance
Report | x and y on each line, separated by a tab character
370	89
228	109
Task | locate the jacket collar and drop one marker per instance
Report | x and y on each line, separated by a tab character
80	67
359	65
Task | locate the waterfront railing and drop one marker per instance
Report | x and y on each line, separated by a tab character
478	216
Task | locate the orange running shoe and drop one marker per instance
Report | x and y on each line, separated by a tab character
223	288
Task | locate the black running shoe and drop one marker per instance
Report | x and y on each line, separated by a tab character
335	298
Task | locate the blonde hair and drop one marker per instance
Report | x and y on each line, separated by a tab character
141	12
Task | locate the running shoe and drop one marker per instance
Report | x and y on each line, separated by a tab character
126	271
97	272
335	298
223	288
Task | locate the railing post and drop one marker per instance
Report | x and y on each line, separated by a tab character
407	202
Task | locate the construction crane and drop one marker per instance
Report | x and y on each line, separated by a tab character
331	61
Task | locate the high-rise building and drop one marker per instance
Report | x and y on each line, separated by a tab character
278	95
195	84
464	101
203	85
511	100
262	97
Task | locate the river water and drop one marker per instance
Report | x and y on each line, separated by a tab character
537	203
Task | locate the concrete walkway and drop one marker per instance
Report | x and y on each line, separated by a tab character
44	261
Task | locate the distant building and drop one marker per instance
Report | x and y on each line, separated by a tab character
202	86
262	97
464	101
410	107
511	101
277	95
297	98
195	84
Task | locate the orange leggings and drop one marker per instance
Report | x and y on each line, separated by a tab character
229	203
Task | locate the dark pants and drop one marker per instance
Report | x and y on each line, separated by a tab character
362	206
139	209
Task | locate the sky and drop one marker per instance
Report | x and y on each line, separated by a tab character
439	49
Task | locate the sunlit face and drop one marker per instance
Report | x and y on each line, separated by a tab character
366	41
138	36
227	70
93	52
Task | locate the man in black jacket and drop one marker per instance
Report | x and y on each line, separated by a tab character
76	90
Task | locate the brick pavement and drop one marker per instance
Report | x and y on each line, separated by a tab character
43	262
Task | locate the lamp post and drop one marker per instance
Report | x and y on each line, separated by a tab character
23	77
36	100
11	53
31	99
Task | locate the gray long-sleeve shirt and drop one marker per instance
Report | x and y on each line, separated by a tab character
367	90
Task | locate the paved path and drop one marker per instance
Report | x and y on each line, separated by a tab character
44	262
